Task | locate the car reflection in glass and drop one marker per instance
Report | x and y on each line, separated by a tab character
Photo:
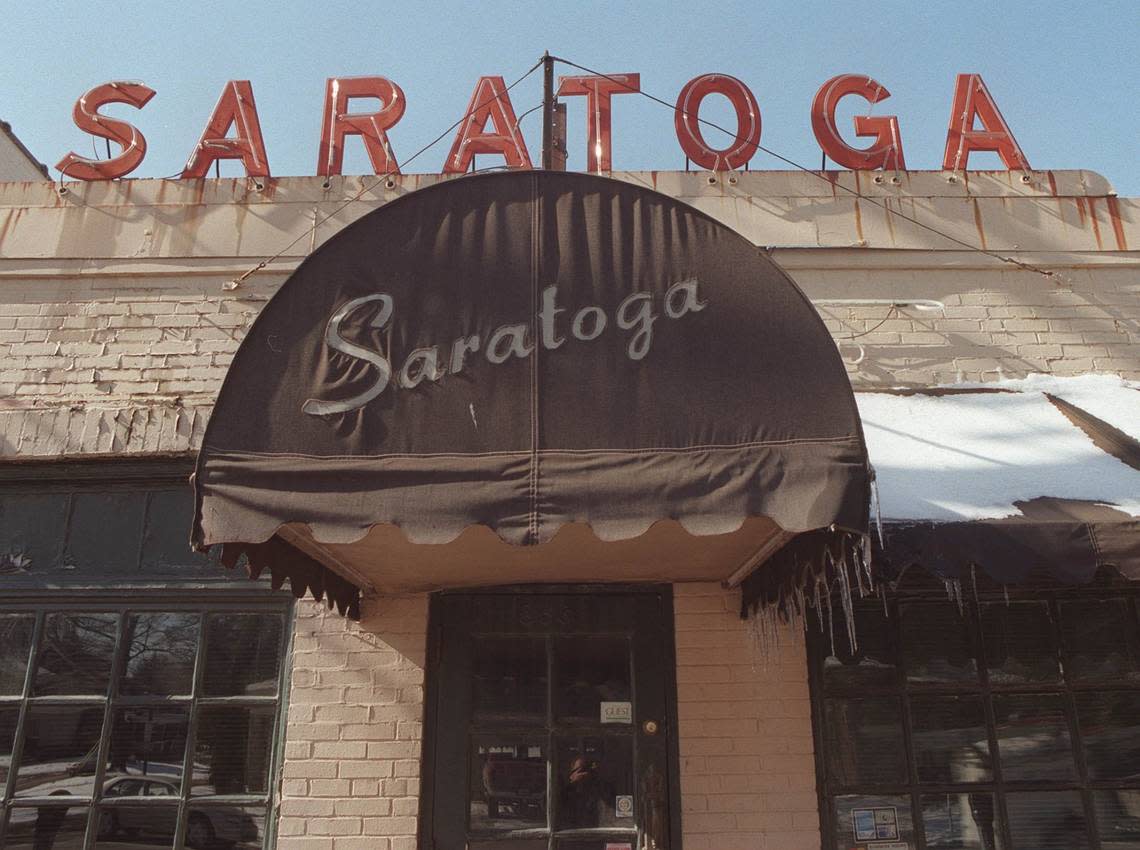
207	828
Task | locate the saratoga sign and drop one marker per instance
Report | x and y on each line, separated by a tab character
635	313
233	130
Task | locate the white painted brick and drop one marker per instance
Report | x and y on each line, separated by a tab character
747	754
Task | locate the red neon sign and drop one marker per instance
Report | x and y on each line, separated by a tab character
491	127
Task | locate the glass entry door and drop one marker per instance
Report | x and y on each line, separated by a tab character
551	722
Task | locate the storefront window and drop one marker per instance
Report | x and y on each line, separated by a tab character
151	728
1003	724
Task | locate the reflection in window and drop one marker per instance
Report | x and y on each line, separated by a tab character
592	773
116	751
1060	707
61	750
160	653
509	678
508	785
242	654
9	714
950	739
964	821
46	827
232	827
139	827
75	654
1019	642
1118	818
1033	737
1047	820
149	741
1110	730
1101	639
232	750
15	644
872	665
590	670
864	742
936	645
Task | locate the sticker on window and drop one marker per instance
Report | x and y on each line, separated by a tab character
888	845
878	824
623	806
617	712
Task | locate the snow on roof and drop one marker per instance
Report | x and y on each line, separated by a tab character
971	455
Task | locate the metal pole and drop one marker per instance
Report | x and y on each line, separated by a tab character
547	111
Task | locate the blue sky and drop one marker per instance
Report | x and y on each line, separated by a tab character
1065	75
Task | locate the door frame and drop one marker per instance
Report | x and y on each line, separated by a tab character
426	826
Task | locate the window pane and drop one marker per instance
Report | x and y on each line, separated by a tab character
862	819
46	828
864	742
950	740
105	531
872	665
15	644
242	654
1047	820
136	827
75	654
1019	643
232	750
8	717
936	645
508	785
1118	818
61	749
150	742
590	670
166	539
160	654
595	782
1033	737
961	821
1100	639
1110	729
509	679
231	827
31	530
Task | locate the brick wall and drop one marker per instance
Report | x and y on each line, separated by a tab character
747	763
352	743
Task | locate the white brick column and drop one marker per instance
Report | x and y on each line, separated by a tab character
352	749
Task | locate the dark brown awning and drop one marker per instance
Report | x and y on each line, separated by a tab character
546	376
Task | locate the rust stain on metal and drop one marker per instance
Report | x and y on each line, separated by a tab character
1117	223
1095	223
978	222
1080	202
859	222
1052	183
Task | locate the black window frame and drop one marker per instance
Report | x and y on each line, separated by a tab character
968	604
113	601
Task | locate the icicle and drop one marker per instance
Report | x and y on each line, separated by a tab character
830	620
858	568
1005	590
801	603
818	603
974	583
848	603
865	543
954	592
878	508
883	596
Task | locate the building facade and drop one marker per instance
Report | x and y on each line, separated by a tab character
150	697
